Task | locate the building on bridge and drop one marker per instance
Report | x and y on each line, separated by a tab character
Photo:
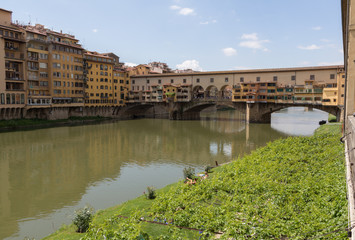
322	85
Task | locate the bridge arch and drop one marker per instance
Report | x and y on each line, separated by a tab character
226	92
211	92
261	112
198	92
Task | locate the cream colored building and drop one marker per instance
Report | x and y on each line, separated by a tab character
218	85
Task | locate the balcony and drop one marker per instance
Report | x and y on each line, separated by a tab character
36	39
15	56
13	38
31	58
33	68
14	79
11	48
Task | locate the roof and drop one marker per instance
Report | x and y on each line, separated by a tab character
1	9
241	71
96	54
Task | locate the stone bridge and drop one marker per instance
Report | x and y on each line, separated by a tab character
255	112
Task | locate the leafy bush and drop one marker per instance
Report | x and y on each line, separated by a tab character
189	172
151	193
208	169
83	218
332	118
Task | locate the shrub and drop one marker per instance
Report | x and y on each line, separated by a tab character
83	218
189	172
208	169
151	194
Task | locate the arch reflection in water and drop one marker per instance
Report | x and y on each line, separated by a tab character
46	174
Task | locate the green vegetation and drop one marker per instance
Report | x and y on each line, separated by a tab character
83	218
28	123
189	172
292	188
332	118
151	193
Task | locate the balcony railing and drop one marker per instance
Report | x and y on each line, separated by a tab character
33	68
14	79
12	48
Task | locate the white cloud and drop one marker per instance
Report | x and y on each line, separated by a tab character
187	11
95	30
183	11
252	36
189	64
317	28
325	40
208	22
310	47
130	64
175	7
229	51
252	41
330	63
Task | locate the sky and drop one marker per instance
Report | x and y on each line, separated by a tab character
205	35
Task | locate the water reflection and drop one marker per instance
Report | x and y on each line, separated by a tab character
46	174
297	120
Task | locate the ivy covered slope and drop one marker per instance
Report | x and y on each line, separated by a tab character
293	188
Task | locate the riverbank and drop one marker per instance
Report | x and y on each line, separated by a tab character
293	187
25	124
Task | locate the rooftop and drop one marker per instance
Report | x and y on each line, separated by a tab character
242	71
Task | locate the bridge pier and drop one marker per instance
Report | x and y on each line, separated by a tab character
258	113
177	115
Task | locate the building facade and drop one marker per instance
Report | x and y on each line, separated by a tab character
288	85
13	80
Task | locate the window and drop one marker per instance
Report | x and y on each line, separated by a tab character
171	80
43	56
197	80
242	79
293	78
184	80
211	80
312	77
147	80
258	79
43	65
332	76
159	81
56	65
133	81
43	75
2	98
275	78
226	79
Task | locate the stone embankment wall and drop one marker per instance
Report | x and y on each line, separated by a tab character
349	137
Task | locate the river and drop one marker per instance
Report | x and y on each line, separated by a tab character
46	174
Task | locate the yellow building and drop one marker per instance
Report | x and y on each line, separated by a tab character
99	86
38	89
12	63
66	70
121	86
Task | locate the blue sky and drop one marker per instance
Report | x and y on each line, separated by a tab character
200	34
